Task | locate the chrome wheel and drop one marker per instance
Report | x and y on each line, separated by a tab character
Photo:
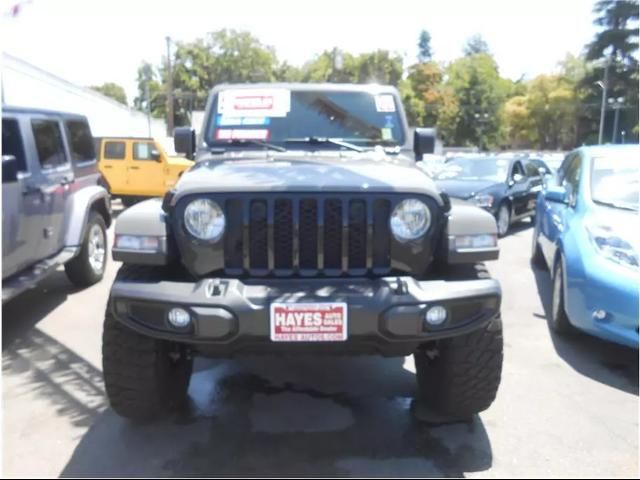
503	220
97	248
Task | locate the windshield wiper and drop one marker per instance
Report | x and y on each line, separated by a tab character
617	205
322	140
260	143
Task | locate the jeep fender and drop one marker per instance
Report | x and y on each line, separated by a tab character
77	209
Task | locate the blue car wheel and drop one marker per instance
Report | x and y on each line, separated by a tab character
537	259
558	320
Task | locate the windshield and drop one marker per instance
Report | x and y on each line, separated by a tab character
282	117
615	179
493	169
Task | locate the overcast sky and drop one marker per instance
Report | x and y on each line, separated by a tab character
90	42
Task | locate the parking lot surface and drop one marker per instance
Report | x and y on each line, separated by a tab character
566	407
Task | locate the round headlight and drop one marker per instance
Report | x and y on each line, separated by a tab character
410	220
204	219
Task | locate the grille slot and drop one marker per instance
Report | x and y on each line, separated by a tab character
328	235
283	234
308	234
258	253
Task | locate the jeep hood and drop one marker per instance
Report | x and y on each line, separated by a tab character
307	173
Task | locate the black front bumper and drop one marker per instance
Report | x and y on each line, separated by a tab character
229	316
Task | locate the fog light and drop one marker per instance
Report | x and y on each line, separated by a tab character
435	315
179	318
599	315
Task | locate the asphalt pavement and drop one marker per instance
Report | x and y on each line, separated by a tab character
566	407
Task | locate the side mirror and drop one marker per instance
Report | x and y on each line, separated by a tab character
556	194
155	154
424	141
518	178
184	140
9	169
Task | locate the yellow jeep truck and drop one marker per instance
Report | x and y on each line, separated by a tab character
137	168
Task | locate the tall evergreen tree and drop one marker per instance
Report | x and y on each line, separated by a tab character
425	54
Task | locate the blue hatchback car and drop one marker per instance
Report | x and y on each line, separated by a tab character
587	232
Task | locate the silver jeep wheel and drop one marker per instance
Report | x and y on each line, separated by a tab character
97	248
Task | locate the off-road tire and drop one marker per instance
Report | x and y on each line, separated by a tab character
79	270
557	319
144	378
460	376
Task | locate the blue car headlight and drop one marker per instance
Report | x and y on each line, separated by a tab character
613	246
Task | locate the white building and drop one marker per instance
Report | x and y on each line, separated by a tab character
25	85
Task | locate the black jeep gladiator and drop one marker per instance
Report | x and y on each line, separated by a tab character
303	226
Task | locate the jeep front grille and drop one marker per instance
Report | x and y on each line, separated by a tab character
329	235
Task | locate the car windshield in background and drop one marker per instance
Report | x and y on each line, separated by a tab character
292	119
470	168
615	180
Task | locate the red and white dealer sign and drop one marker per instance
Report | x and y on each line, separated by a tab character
308	322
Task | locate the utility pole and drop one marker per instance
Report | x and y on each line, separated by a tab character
604	85
616	104
169	90
148	104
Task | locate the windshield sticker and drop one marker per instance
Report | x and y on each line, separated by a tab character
254	102
223	121
385	103
388	121
387	133
242	134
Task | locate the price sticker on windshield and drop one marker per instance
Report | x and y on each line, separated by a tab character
242	134
385	103
254	102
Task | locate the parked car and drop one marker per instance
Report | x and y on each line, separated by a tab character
137	168
504	186
304	226
586	233
53	210
431	164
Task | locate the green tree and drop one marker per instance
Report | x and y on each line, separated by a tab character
475	45
224	56
112	90
380	66
425	80
157	99
520	128
551	102
424	47
479	93
616	42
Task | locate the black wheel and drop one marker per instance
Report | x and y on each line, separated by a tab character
88	266
503	219
558	320
459	377
537	258
144	377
